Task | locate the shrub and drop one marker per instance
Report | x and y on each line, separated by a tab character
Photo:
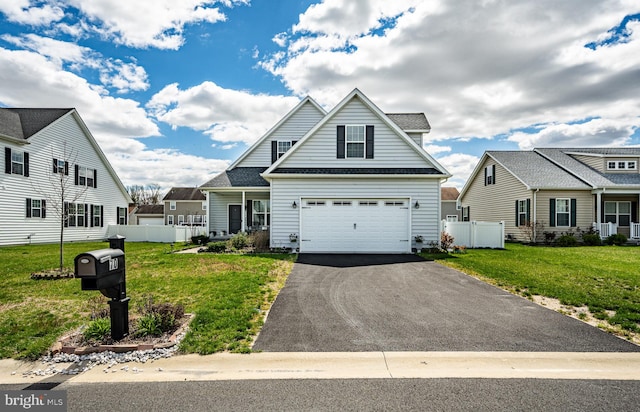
446	240
549	237
591	239
98	329
260	240
217	247
239	241
567	240
200	240
618	239
149	325
158	318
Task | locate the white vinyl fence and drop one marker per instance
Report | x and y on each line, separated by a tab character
154	233
476	234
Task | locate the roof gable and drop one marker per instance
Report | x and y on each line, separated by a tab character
308	108
22	123
184	193
355	108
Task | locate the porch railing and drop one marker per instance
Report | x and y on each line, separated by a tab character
635	231
605	229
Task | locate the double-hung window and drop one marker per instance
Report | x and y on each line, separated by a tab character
85	176
96	216
617	212
76	214
490	175
17	163
283	146
261	213
36	208
355	141
563	212
523	213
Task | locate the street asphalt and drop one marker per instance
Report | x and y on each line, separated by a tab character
360	303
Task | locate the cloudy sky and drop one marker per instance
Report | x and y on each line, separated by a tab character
174	91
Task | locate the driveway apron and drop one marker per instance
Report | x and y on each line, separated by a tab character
359	303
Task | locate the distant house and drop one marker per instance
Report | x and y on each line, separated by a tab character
352	180
449	210
147	215
556	190
185	206
43	147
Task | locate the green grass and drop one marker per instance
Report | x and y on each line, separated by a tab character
604	278
225	292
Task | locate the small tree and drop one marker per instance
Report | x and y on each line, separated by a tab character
145	195
532	231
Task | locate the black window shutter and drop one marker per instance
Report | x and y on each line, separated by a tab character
634	212
274	151
66	168
517	214
26	164
528	217
44	208
485	176
55	166
552	212
101	216
573	213
95	178
340	142
249	208
91	214
28	207
76	171
468	213
293	142
7	160
493	174
86	215
369	142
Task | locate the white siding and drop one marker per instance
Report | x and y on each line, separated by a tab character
50	143
294	128
286	220
320	149
219	207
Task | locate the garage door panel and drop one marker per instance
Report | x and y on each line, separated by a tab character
355	225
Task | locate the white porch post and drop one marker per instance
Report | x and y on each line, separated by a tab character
598	206
242	218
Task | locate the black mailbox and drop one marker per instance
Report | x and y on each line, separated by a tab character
102	270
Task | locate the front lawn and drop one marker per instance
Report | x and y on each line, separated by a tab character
227	294
606	279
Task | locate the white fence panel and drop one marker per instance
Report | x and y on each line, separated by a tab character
152	233
635	231
476	234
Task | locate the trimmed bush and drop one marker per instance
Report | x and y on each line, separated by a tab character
591	239
217	247
239	241
567	241
618	239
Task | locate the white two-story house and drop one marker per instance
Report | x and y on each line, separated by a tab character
351	180
53	172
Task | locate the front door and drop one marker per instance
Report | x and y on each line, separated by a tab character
235	218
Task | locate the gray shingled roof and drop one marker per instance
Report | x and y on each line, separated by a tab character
239	177
536	171
410	121
150	210
358	171
22	123
449	193
184	193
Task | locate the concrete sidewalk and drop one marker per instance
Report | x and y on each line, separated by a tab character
351	365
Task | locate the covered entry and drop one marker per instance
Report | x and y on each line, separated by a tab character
355	226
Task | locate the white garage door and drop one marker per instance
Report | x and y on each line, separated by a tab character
355	226
150	221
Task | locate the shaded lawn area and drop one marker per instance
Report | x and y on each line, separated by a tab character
227	293
604	278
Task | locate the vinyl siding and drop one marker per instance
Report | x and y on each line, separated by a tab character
450	208
293	129
598	163
286	220
15	227
585	203
219	207
496	202
320	149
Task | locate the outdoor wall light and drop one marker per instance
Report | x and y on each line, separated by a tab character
294	204
417	205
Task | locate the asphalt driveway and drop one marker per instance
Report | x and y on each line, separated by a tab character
359	303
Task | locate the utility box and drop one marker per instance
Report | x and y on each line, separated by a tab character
104	270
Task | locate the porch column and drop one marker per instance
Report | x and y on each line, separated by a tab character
244	212
598	206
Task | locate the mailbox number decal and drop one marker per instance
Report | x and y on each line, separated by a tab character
113	264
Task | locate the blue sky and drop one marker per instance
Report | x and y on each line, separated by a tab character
175	91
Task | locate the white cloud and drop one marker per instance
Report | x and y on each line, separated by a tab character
436	149
225	115
22	11
460	166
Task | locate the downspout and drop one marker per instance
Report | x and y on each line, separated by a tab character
535	214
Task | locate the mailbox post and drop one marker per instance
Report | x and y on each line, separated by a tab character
104	270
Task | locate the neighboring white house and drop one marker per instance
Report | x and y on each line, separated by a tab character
353	180
42	146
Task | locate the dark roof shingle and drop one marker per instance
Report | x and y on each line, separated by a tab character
239	177
28	121
410	121
184	193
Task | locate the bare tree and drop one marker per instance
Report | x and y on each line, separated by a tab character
145	195
61	191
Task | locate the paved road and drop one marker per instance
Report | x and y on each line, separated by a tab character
358	303
356	394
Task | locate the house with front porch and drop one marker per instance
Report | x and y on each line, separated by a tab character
556	190
351	180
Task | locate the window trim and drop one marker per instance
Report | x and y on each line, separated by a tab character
567	213
354	142
172	205
170	220
452	218
279	152
490	175
617	213
622	165
264	212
